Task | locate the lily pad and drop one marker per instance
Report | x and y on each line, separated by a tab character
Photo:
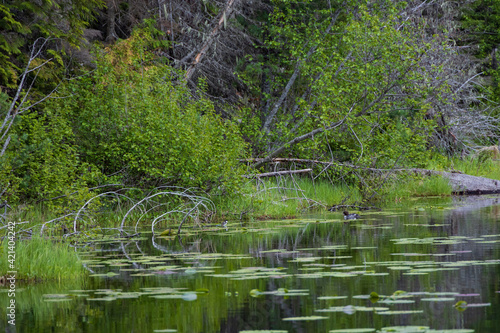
109	274
105	299
400	312
396	301
478	305
52	296
332	297
405	329
57	299
264	331
189	296
354	330
309	318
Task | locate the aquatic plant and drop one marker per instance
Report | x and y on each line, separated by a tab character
43	259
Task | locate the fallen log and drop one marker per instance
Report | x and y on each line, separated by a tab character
283	159
277	173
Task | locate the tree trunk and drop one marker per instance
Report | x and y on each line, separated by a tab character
277	173
494	65
222	20
110	20
265	87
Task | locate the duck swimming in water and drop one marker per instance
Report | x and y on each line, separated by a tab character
352	216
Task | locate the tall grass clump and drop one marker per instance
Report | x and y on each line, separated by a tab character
285	197
43	259
431	186
330	194
405	187
488	168
483	163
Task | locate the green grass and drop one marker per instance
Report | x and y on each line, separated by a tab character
289	197
431	186
42	259
407	186
480	166
475	167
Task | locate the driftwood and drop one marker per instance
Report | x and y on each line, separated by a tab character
277	173
260	161
282	159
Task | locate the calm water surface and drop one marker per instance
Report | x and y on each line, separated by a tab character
310	274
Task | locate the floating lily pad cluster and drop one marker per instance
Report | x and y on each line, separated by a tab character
304	273
106	295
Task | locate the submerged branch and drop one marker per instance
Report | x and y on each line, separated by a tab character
339	207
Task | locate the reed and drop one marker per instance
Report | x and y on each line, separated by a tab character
42	259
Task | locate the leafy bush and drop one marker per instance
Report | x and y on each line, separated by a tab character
41	161
130	119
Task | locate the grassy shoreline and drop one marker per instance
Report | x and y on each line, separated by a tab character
262	199
41	259
274	200
49	258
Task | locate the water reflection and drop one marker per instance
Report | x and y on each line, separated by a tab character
275	275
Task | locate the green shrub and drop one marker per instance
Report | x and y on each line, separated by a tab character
129	118
42	161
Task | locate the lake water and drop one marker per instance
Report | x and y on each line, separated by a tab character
310	274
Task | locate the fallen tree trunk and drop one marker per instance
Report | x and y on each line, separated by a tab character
461	183
277	173
335	208
466	184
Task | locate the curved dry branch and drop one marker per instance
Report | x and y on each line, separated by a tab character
196	200
113	193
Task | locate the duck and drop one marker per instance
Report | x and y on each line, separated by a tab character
352	216
224	225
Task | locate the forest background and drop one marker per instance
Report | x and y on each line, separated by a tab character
123	99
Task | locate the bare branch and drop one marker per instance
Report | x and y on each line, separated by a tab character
277	173
223	16
297	140
16	106
270	117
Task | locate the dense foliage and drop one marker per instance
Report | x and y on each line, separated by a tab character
23	22
131	120
357	75
181	92
125	122
482	21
